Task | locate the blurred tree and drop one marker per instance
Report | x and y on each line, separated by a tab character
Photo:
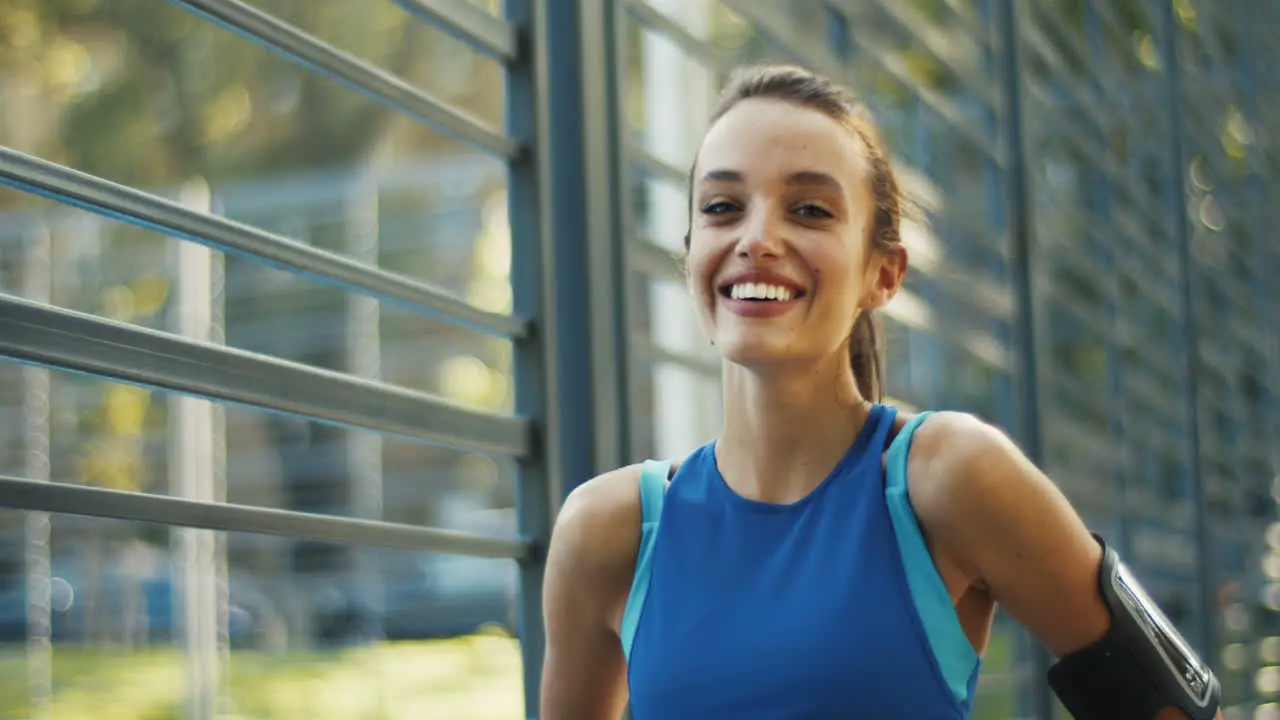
149	94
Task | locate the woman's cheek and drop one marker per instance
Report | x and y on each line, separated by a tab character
702	275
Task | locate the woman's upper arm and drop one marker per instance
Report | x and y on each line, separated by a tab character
589	567
997	516
1001	520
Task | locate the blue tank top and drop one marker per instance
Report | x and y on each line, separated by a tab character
829	607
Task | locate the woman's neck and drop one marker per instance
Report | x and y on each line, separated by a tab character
785	430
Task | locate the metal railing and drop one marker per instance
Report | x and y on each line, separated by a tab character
46	336
594	212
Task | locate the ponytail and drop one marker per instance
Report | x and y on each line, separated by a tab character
865	357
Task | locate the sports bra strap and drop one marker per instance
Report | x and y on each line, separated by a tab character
880	435
653	489
951	647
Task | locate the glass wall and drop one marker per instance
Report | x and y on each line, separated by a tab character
107	617
476	214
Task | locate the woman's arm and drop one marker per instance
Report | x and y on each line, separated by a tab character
589	568
993	513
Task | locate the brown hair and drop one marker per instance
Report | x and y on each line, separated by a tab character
810	90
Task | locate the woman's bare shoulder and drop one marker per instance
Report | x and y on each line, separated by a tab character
602	516
600	520
593	550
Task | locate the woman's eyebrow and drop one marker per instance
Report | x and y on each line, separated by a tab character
722	176
802	177
814	178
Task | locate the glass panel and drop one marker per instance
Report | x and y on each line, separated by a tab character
384	34
137	625
133	93
77	430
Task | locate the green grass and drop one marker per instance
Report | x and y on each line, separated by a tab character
476	677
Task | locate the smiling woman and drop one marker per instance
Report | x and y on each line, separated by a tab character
710	586
768	144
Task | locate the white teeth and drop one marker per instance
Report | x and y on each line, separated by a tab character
760	291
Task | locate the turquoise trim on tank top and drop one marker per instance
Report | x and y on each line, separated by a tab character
653	487
955	654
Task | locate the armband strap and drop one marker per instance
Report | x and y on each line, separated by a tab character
1140	667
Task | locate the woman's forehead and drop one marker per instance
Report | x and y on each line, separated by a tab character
765	138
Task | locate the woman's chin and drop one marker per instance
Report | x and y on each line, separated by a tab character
757	355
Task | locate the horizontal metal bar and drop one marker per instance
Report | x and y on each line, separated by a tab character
970	290
704	366
1217	359
1094	110
42	335
655	167
41	177
654	261
719	60
469	23
378	84
961	15
953	220
1247	335
1156	396
1209	94
36	496
1069	392
927	35
1082	93
1095	153
1143	357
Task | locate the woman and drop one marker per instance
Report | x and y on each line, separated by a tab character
825	556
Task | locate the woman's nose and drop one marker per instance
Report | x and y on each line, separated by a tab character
761	237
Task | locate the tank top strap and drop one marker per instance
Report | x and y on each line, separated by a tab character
653	489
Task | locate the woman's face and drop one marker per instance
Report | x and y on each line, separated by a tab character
778	259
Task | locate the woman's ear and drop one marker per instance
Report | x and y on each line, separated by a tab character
885	275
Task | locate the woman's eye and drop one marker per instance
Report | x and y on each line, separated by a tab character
809	210
719	207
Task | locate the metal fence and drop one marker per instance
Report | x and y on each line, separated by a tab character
1090	270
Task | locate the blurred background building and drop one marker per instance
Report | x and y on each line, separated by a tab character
1092	269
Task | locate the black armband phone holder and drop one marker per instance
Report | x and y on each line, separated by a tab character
1140	667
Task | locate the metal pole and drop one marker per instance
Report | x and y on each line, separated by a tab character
603	77
1038	702
218	440
1176	201
534	266
838	41
193	455
364	359
567	273
37	277
1100	205
997	213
